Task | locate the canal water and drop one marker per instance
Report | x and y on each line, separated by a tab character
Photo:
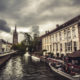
22	67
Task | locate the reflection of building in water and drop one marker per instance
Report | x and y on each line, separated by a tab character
64	39
15	36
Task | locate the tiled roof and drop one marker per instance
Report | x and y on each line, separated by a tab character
66	24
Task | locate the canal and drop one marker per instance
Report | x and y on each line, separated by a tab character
22	67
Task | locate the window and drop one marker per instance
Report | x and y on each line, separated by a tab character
65	34
75	46
79	24
47	39
53	46
60	35
56	47
50	47
65	46
73	32
44	40
69	46
47	47
53	38
60	47
69	34
56	37
50	38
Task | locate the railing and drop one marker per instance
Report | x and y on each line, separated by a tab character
5	54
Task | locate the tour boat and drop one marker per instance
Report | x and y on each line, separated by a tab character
60	72
35	58
58	69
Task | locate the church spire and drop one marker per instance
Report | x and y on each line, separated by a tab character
15	36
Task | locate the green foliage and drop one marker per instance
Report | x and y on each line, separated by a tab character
20	47
29	43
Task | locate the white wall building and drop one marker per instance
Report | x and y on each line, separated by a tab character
4	46
64	39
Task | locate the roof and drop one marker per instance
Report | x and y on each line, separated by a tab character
9	43
66	24
74	54
3	41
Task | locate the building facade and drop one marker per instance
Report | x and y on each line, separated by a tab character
15	36
4	46
9	46
64	38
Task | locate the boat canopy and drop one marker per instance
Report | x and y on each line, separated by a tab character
74	54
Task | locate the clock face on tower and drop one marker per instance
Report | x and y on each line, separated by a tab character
15	36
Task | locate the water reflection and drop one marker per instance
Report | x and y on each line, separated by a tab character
17	67
13	69
23	68
26	58
7	72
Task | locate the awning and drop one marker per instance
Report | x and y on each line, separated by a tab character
74	54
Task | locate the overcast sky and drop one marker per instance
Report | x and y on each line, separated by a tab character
34	15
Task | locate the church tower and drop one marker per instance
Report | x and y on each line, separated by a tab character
15	36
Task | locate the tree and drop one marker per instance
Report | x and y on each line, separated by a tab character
28	44
32	43
20	47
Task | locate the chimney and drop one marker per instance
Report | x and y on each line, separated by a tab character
57	26
46	32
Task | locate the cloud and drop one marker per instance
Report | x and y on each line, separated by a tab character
27	13
6	36
52	10
4	26
76	3
35	29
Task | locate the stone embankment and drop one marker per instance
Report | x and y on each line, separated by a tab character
4	57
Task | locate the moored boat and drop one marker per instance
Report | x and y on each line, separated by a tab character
59	66
62	73
35	58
